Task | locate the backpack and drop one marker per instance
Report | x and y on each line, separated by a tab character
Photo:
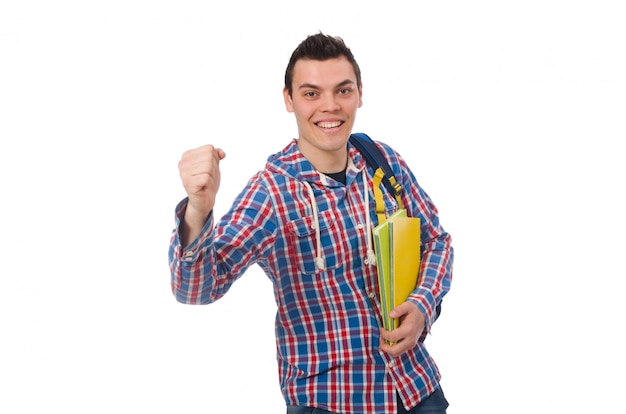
376	159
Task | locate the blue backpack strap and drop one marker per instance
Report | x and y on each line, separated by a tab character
375	159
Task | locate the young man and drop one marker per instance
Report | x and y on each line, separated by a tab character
306	219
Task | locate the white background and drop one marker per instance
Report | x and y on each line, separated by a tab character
510	113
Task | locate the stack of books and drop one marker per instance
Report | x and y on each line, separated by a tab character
397	247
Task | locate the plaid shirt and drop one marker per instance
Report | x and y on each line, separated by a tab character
327	322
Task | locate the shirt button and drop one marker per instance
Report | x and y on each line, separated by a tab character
390	365
371	295
359	226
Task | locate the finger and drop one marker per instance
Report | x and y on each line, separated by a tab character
394	348
202	153
198	182
221	154
392	337
401	310
203	160
397	335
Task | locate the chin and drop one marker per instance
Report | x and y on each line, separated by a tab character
340	133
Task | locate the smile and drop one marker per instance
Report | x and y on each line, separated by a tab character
329	125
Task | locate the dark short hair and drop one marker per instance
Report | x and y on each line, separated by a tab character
320	47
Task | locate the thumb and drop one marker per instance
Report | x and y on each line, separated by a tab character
397	312
400	310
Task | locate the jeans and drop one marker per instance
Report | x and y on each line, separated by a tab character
436	403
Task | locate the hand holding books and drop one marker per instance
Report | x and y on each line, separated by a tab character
407	335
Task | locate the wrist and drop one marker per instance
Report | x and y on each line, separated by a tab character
195	217
192	224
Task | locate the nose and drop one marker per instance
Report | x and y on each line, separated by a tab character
330	103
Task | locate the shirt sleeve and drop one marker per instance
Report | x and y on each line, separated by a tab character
436	261
204	271
437	253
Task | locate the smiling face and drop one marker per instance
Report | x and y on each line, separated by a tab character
324	100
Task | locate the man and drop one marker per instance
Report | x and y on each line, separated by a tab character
306	219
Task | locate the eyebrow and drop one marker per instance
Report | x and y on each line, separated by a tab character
312	86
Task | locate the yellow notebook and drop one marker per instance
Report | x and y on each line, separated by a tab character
397	247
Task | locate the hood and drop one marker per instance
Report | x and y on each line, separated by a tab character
292	163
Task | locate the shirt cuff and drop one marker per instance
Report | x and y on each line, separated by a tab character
425	302
189	254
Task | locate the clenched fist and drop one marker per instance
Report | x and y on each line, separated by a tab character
200	173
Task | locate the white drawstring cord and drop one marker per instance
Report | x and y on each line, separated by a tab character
319	259
371	256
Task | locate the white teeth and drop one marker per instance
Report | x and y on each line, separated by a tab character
329	124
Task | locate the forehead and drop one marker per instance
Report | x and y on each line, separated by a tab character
323	73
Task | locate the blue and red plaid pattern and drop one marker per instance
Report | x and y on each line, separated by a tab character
327	323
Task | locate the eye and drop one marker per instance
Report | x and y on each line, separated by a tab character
344	91
310	94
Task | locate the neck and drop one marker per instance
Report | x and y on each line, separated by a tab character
326	161
333	167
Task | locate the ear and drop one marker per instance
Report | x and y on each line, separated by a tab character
360	96
288	100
